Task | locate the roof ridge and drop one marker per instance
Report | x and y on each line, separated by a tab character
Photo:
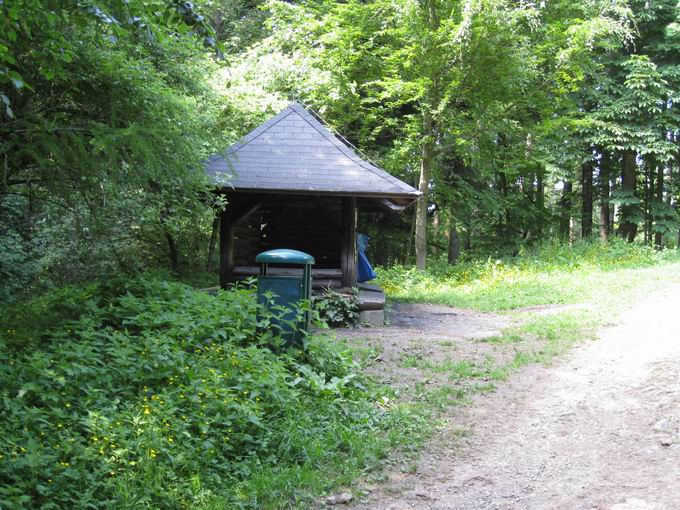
261	129
344	148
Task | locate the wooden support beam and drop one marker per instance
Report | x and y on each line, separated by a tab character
389	205
348	253
226	248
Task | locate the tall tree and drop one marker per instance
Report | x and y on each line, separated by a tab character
604	177
587	199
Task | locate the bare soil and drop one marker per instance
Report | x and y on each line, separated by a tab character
598	429
428	333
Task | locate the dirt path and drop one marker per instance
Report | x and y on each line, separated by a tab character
428	334
598	430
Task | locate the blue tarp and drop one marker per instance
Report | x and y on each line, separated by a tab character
364	270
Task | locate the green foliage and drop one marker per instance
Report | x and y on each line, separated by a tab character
631	115
100	155
552	273
147	393
26	25
666	219
336	308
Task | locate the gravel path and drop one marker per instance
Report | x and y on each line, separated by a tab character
598	430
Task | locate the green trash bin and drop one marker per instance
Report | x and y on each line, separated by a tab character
288	290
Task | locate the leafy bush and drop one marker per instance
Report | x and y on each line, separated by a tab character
336	309
145	393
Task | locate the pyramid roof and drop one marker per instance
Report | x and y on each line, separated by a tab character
294	152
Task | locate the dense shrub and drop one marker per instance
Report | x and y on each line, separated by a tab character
336	308
150	394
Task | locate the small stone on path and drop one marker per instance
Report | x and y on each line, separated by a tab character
421	493
339	499
666	441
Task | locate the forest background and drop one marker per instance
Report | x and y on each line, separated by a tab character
520	121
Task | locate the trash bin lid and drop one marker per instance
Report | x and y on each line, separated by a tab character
284	256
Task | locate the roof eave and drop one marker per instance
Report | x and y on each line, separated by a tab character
411	196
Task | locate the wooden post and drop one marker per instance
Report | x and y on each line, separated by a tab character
348	255
242	213
226	247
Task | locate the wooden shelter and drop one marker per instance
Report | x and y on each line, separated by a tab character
291	183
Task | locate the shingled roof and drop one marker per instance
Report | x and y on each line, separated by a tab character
296	153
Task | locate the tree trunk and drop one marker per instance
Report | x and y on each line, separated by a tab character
605	168
427	155
504	222
429	11
565	211
647	199
213	241
540	202
467	242
613	208
668	184
627	228
658	237
174	254
673	189
587	199
454	243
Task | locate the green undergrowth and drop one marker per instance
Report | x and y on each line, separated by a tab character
550	274
148	394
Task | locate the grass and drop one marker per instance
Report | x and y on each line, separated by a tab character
550	275
456	369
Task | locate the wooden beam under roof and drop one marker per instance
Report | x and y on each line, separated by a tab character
348	254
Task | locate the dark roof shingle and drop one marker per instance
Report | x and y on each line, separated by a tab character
295	152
